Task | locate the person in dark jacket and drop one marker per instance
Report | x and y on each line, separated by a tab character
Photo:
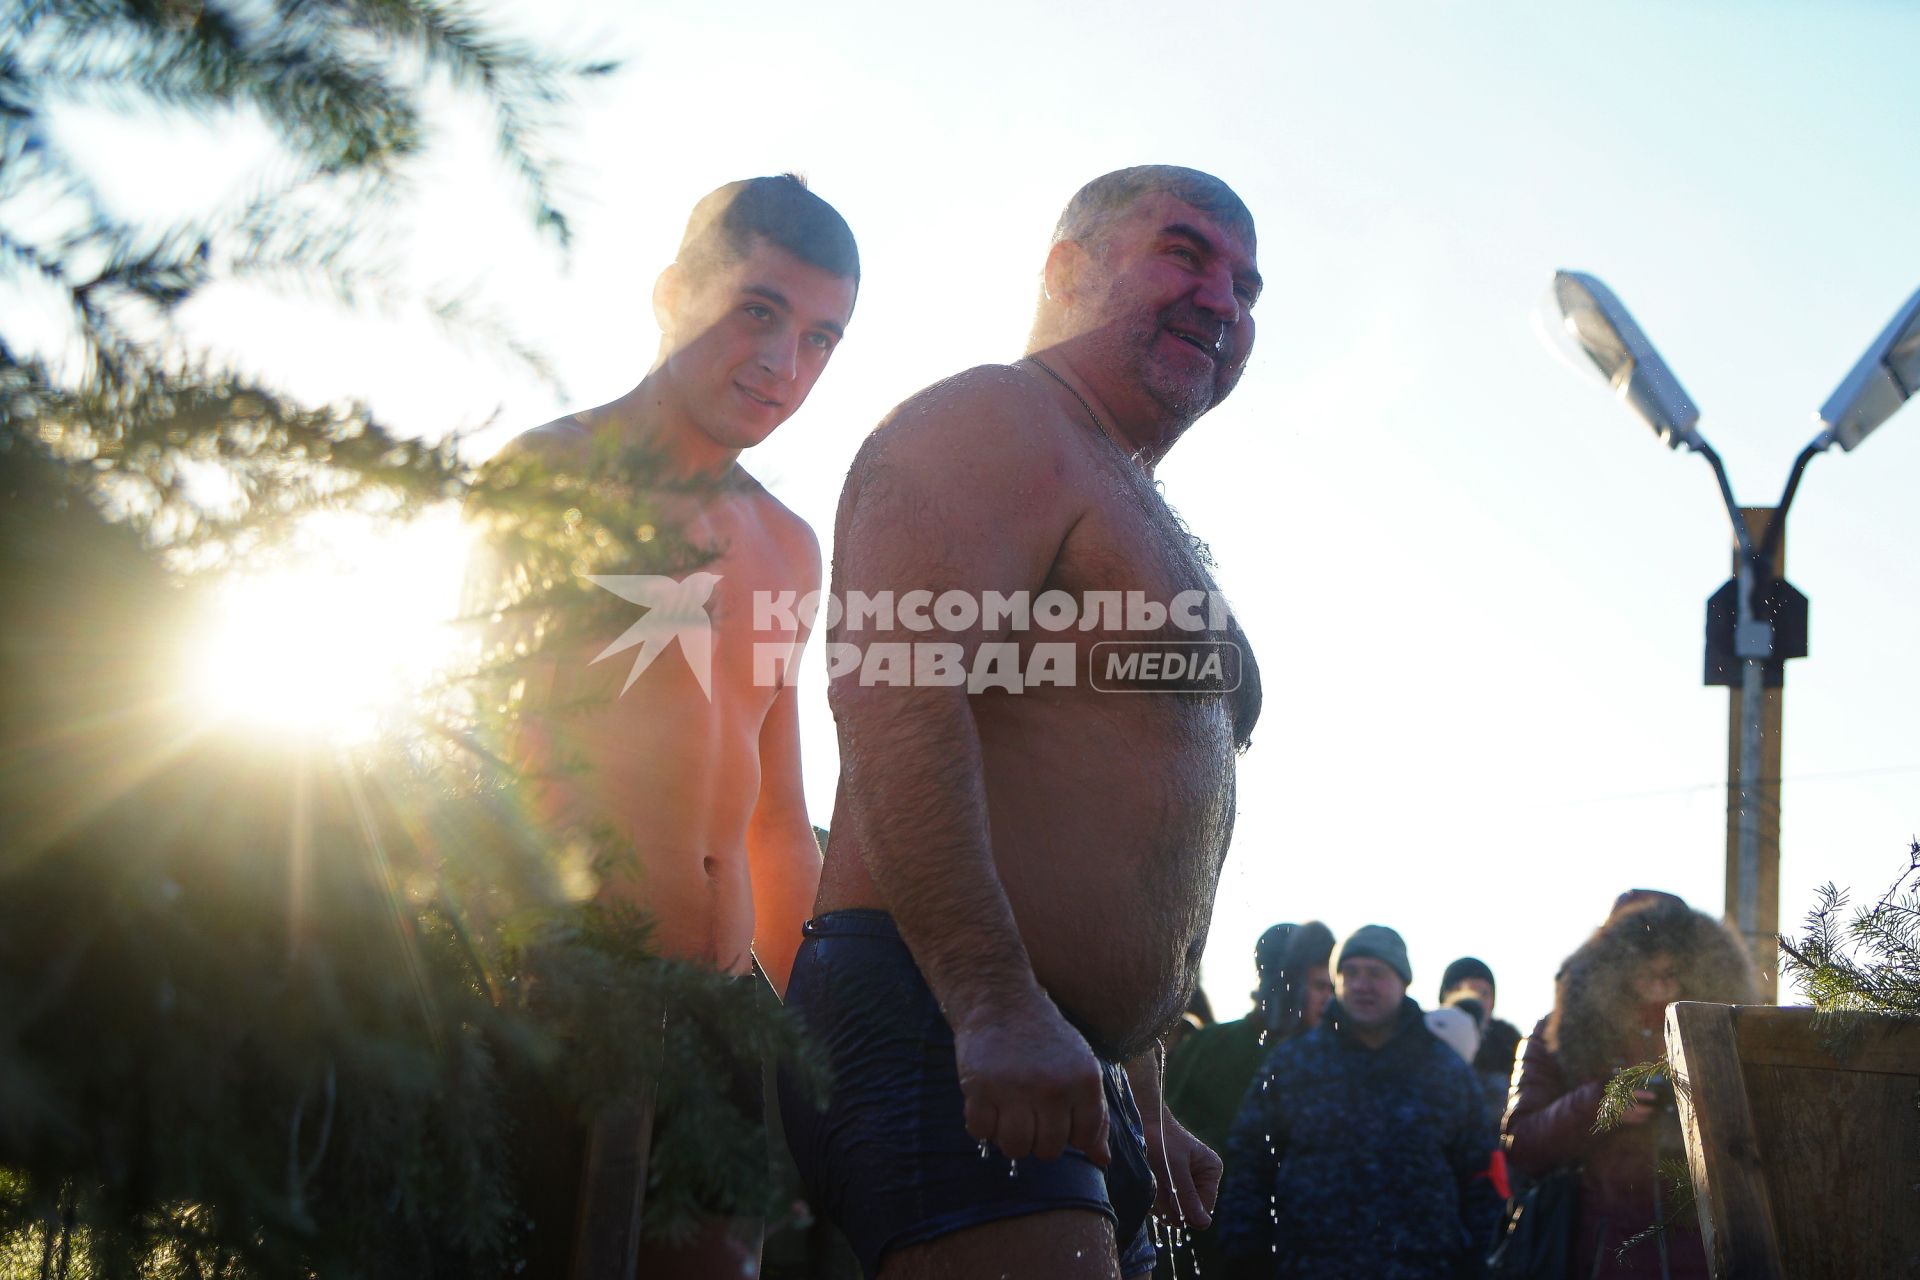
1360	1152
1609	1007
1208	1074
1499	1041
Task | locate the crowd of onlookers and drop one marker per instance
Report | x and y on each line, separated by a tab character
1367	1137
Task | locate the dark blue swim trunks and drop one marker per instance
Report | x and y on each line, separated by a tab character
890	1161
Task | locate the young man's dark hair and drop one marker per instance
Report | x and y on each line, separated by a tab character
780	210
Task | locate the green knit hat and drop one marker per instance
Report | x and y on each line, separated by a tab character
1377	942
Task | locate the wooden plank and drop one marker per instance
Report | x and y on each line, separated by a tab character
1789	1038
1842	1154
1723	1154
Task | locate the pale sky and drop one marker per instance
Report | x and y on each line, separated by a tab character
1475	584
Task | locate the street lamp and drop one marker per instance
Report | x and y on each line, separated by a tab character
1757	620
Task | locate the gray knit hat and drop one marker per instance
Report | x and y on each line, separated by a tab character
1377	942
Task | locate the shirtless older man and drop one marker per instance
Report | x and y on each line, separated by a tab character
693	759
1019	883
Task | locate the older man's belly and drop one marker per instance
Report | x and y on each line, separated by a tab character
1110	816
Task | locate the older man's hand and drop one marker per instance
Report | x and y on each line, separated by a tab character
1185	1169
1032	1086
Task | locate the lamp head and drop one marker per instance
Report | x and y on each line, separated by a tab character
1878	385
1588	328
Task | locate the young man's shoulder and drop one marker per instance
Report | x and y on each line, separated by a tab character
565	439
781	522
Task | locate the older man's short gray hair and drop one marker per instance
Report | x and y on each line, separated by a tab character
1107	198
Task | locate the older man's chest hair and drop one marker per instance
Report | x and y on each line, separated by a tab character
1148	792
1130	548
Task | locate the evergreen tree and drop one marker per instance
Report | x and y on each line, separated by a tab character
260	1002
1868	964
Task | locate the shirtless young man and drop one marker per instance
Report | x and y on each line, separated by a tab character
1019	884
699	772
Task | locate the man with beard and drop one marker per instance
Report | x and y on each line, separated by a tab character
1020	877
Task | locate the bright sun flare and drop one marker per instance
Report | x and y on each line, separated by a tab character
328	644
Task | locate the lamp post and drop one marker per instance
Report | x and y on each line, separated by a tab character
1757	621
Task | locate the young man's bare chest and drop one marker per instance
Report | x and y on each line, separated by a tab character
743	540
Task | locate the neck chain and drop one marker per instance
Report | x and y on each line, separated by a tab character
1132	455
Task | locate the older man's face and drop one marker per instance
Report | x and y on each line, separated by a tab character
1176	288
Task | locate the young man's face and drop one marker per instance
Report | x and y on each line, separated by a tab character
747	340
1175	289
1370	991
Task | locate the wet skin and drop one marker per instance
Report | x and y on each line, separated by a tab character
1107	815
1050	856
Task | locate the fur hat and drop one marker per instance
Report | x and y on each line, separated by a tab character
1595	1004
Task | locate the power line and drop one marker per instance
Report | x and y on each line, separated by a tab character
1691	788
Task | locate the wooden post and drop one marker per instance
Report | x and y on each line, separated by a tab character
1762	933
1723	1152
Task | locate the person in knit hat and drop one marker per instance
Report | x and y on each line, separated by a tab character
1469	977
1361	1147
1208	1074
